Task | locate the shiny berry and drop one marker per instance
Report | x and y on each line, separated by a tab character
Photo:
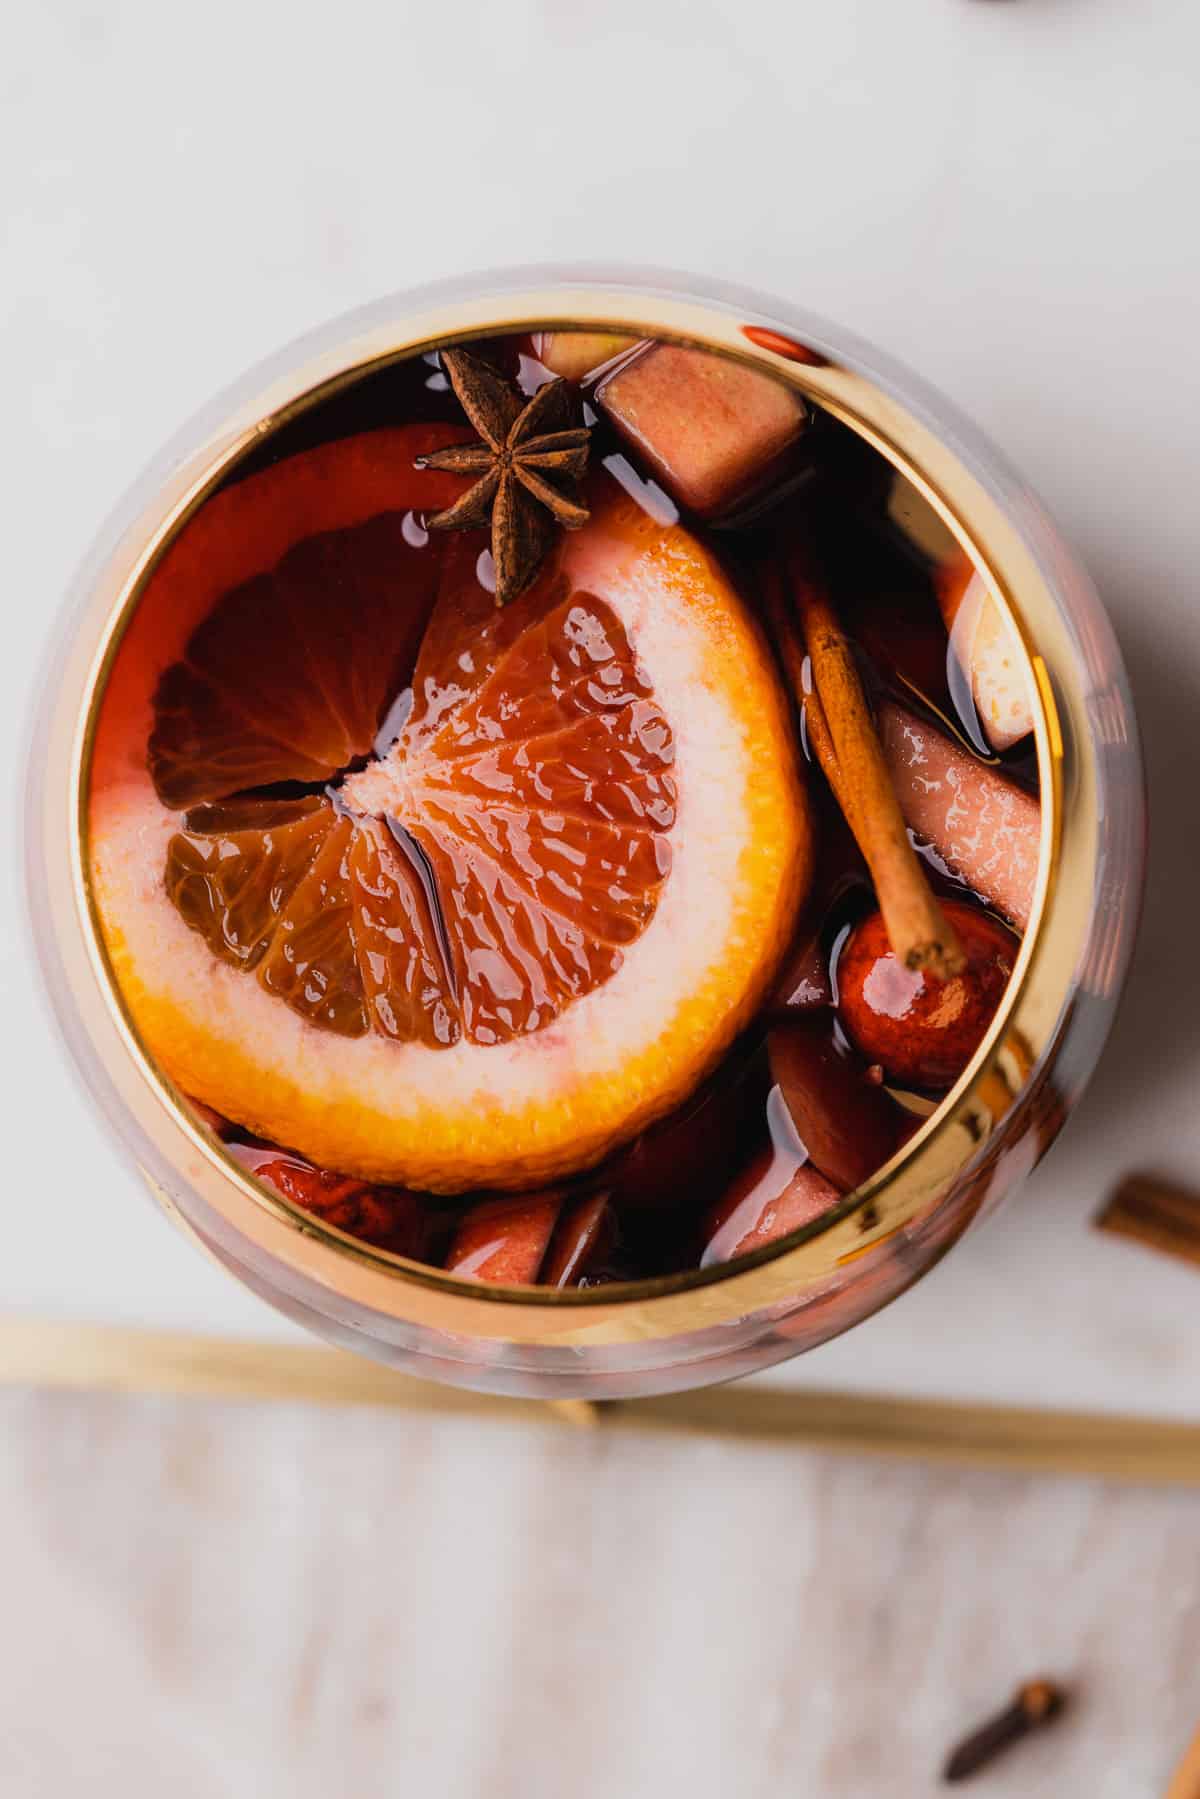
921	1030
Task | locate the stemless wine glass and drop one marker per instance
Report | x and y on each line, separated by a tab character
708	1324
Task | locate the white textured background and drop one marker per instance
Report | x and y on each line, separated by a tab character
1002	192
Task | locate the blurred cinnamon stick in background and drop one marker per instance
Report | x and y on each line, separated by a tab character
1159	1214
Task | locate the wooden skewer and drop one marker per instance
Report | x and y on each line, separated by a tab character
846	745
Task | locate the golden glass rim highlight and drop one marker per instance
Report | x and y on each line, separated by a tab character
944	1146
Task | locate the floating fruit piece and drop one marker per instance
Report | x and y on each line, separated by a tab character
206	1116
923	1031
772	1197
803	984
576	353
849	1125
711	429
504	1240
903	634
589	817
389	1218
919	524
584	1235
687	1158
984	828
989	652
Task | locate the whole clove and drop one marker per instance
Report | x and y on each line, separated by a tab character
1035	1703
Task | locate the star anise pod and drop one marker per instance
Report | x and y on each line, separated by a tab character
528	461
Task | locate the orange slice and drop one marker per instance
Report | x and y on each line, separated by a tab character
477	938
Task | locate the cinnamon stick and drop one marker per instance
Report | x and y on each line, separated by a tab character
1159	1214
846	745
793	656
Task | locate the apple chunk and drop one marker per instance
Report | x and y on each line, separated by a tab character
584	1234
986	830
985	647
711	430
849	1126
576	353
504	1240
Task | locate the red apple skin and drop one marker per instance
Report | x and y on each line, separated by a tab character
504	1240
710	429
388	1217
583	1236
849	1125
985	828
686	1160
803	984
923	1031
770	1198
990	654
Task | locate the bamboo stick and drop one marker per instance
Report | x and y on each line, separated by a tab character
113	1358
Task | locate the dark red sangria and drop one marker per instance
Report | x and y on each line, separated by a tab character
565	810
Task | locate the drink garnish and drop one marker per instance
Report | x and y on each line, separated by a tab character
527	463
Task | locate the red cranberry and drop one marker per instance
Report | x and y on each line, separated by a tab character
921	1030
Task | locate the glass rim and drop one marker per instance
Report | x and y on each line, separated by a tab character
891	411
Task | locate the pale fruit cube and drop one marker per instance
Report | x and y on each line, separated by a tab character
986	829
986	648
576	353
711	430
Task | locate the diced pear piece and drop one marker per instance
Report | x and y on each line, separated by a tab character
985	828
711	430
982	641
804	984
918	1030
392	1217
987	650
576	353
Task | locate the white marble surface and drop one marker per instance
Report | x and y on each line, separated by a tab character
1001	193
276	1601
282	1602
